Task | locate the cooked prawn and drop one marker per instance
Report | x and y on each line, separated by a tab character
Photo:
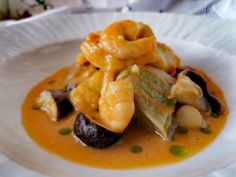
113	66
119	46
86	95
128	39
93	52
81	60
116	106
78	73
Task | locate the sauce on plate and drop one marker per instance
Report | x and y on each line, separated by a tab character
137	148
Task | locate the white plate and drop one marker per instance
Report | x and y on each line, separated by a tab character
200	42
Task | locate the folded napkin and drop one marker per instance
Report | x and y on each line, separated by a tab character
225	9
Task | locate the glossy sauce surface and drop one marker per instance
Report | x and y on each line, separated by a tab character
154	152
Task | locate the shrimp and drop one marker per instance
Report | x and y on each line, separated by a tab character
81	60
113	66
93	52
86	95
128	39
116	106
78	73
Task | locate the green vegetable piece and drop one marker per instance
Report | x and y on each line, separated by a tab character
154	94
177	150
168	102
136	149
51	81
148	76
206	131
36	107
181	130
153	108
65	131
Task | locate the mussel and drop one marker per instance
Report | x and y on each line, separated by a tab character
85	96
93	135
191	89
215	105
185	91
56	103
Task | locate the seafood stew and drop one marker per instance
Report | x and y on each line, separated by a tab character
126	97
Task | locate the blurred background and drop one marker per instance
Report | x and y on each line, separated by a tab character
21	9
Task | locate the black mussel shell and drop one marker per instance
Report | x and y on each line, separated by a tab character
214	103
61	101
92	134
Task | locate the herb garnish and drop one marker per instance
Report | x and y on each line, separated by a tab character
36	107
177	150
206	131
65	131
51	81
136	149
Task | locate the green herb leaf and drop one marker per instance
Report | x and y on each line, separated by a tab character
51	81
181	130
206	131
177	150
36	107
136	149
65	131
40	1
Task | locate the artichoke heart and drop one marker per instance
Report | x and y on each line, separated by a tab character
153	108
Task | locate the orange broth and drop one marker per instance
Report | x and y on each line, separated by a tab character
155	150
